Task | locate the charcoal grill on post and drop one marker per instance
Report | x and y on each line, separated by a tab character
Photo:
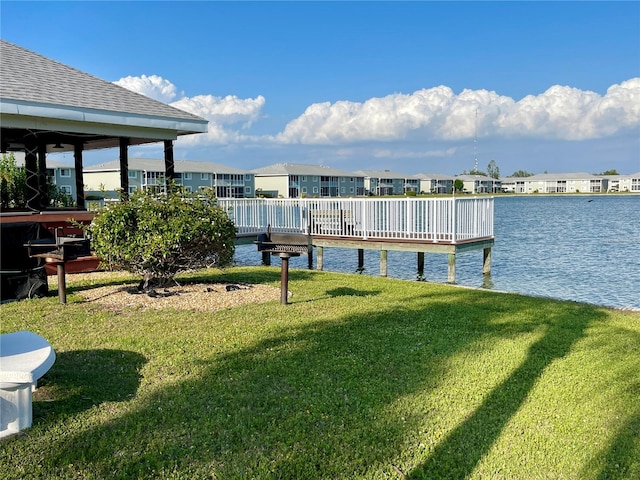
285	246
59	251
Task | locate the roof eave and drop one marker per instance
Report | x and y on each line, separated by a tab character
12	111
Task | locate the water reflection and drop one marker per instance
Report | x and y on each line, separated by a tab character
487	281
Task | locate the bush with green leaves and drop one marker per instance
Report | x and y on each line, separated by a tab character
158	236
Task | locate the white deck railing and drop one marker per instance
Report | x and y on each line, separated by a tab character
424	219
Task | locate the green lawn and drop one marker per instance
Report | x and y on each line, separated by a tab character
358	378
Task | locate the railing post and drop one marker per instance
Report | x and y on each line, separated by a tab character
364	216
454	225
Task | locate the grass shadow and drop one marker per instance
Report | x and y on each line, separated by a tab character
313	402
81	379
317	399
351	292
622	458
459	453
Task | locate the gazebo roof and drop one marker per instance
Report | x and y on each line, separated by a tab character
60	104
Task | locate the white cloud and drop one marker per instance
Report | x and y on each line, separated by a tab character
227	116
427	115
567	113
152	86
229	110
438	114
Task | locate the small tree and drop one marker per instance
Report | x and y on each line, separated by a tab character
13	187
13	183
159	236
458	185
493	170
522	173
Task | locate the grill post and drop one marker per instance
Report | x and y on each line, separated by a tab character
62	282
284	277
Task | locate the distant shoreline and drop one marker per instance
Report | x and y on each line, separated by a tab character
499	195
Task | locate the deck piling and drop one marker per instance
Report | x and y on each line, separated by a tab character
420	264
486	261
383	263
320	258
451	277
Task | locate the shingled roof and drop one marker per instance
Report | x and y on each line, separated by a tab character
157	165
283	169
39	93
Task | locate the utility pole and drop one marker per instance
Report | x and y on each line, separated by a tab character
475	144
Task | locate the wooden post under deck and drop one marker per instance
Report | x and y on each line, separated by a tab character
420	264
310	258
320	256
486	261
451	278
383	263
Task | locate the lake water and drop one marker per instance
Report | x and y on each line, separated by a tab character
573	247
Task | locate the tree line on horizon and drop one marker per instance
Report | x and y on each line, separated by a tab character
493	171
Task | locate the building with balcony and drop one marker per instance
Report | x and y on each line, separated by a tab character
384	182
294	180
562	183
479	184
143	173
434	183
624	183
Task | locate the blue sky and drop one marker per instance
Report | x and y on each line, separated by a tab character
403	86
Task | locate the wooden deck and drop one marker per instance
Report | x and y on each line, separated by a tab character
448	226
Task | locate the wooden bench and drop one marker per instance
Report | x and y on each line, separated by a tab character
24	358
332	222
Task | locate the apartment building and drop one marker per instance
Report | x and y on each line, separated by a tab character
293	180
146	173
434	183
479	184
557	183
384	182
624	183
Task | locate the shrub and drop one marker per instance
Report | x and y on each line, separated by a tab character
13	183
13	187
159	236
